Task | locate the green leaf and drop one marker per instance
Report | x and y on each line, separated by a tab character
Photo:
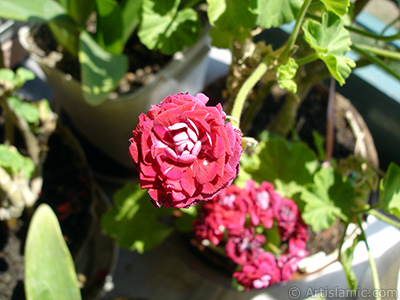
26	110
33	11
63	27
101	70
109	26
49	269
272	13
223	39
347	260
289	166
7	75
330	196
130	12
285	75
165	28
66	36
230	14
78	10
339	7
331	41
16	79
23	75
133	221
390	190
231	20
14	162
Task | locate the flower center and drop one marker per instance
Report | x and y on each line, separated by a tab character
186	143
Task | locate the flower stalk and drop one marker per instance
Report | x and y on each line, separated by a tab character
245	89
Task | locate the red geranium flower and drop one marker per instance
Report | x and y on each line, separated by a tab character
260	273
245	248
226	212
184	150
240	220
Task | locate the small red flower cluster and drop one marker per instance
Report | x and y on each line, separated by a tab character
185	151
239	216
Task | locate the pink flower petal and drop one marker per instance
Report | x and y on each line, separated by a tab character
204	171
218	145
188	182
187	158
203	98
133	151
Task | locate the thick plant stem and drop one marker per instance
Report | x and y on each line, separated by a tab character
263	67
255	106
286	116
244	91
285	119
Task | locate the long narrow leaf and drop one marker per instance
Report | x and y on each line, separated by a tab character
130	12
78	10
109	37
49	269
101	70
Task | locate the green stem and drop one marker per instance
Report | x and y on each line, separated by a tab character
307	59
390	24
293	36
378	37
374	271
245	90
384	218
376	61
367	209
379	51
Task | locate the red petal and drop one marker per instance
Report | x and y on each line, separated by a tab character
154	194
218	145
148	170
133	151
204	171
188	183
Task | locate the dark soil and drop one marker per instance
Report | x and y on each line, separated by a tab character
12	234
